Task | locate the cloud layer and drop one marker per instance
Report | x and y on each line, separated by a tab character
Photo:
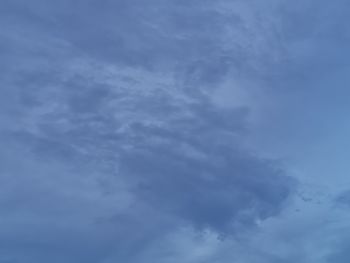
130	130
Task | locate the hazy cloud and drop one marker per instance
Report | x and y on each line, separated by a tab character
124	137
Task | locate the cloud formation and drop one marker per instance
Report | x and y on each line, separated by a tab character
125	128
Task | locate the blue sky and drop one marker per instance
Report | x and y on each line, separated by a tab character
170	131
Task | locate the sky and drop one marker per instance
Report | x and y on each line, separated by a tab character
169	131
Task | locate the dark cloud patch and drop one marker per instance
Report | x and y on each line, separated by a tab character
226	191
343	199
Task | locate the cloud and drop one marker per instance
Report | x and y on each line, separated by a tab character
343	198
113	140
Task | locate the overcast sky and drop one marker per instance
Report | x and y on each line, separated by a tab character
174	131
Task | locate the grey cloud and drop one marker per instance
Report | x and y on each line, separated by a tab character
343	199
112	140
181	163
